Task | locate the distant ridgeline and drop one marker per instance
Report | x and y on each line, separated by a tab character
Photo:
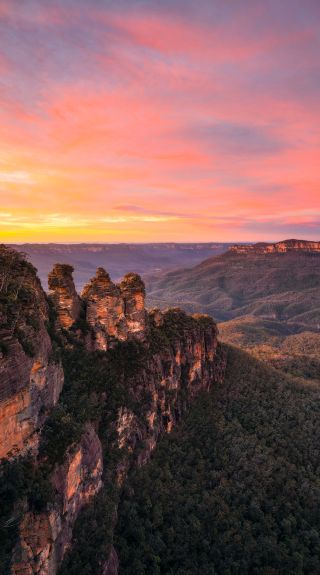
279	247
274	281
88	384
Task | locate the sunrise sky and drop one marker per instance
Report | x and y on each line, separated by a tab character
159	120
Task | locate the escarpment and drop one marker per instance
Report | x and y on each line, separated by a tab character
44	537
31	378
279	247
129	376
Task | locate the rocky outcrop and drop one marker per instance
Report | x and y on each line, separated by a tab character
63	295
104	311
44	537
186	360
279	247
171	377
114	313
30	378
133	293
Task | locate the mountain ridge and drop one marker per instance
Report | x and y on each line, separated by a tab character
278	247
276	285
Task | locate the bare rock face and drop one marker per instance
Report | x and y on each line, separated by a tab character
279	247
62	293
30	378
104	310
133	293
190	363
45	537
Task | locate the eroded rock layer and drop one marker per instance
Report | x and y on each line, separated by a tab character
44	537
63	294
104	310
279	247
133	293
30	378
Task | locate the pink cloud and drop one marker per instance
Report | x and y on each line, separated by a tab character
166	117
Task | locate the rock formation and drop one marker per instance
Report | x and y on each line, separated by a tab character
115	313
63	295
176	357
44	537
133	293
172	377
30	379
189	362
279	247
104	310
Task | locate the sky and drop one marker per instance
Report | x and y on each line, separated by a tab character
159	120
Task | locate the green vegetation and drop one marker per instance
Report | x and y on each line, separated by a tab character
89	377
15	290
234	489
117	375
21	482
284	346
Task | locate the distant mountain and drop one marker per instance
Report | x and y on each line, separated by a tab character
277	282
279	247
266	297
118	259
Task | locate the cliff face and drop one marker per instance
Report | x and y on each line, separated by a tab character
280	247
30	379
185	361
104	310
44	537
171	377
115	404
63	294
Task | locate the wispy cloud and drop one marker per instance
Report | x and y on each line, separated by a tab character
159	120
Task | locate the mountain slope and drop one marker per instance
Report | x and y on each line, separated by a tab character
273	285
235	488
283	345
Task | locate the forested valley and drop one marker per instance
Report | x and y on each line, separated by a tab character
234	489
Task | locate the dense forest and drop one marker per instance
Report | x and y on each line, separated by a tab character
235	488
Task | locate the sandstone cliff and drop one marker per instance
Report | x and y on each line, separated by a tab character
279	247
30	378
133	293
129	374
104	310
114	313
179	359
44	537
63	294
